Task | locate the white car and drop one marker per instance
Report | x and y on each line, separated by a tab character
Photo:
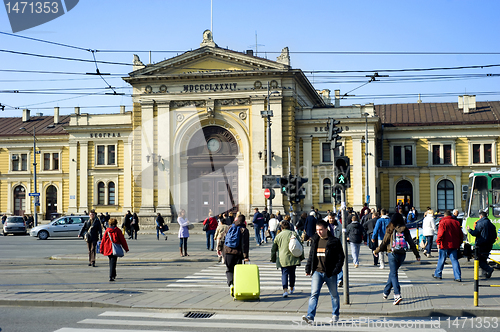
63	226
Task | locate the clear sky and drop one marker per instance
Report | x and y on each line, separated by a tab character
318	30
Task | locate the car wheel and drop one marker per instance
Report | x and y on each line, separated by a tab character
43	235
5	234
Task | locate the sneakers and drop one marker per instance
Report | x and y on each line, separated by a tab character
292	289
397	300
488	274
334	319
385	296
340	284
381	267
435	277
458	280
356	265
307	319
285	294
220	259
429	255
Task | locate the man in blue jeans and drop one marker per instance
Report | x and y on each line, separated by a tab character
448	241
258	222
325	261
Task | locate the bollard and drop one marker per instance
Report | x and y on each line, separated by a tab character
476	281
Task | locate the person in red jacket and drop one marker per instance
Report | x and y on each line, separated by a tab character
114	234
210	230
448	241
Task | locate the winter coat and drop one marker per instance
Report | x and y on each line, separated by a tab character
280	254
369	226
300	224
481	232
429	226
244	246
310	225
212	223
127	220
183	229
334	256
336	230
117	237
386	244
380	228
258	219
450	234
354	232
220	235
135	223
95	232
273	224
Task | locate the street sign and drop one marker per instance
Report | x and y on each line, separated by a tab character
34	194
271	181
269	193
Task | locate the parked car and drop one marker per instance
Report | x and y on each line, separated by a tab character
14	225
63	226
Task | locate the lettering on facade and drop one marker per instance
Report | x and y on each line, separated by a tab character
104	135
209	87
320	129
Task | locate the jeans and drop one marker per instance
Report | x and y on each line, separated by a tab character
452	253
183	240
112	266
263	232
318	278
158	231
256	228
210	239
381	257
273	234
429	239
340	276
288	273
355	252
395	261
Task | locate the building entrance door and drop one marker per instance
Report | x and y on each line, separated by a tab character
50	202
19	200
404	196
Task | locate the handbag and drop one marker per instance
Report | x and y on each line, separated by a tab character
373	245
190	226
165	228
295	247
117	248
205	227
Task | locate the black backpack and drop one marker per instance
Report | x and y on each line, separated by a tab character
492	233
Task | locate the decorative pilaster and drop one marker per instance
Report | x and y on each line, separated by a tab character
164	161
84	177
73	177
307	160
147	158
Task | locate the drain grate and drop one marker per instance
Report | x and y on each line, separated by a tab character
199	314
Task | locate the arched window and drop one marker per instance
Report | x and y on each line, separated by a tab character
327	191
100	193
446	195
111	193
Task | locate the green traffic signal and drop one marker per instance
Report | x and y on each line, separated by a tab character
341	179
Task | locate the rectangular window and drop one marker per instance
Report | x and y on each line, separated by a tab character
46	161
100	155
397	155
15	162
487	154
55	161
408	155
447	154
111	154
476	153
24	162
327	156
436	155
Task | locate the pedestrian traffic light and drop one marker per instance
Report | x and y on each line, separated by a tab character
342	172
284	185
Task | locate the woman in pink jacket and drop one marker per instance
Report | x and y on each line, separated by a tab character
114	234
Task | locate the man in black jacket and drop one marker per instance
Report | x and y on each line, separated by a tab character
94	229
485	238
325	261
369	226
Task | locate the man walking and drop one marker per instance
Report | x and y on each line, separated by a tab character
258	223
94	229
448	241
379	233
355	237
485	233
369	226
325	261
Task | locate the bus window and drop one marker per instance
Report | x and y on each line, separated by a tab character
479	196
495	191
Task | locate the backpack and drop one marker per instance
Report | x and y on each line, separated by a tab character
295	247
233	237
399	244
492	233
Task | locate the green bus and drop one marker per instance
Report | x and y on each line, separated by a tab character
483	194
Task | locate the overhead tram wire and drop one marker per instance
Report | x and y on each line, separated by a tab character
50	72
65	58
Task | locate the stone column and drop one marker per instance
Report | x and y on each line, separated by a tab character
258	143
73	177
84	177
126	191
277	148
357	186
147	158
163	162
308	171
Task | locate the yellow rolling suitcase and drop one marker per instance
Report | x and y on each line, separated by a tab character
246	282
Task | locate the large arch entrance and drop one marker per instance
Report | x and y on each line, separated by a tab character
212	172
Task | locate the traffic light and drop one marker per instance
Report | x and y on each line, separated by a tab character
342	172
301	191
292	188
284	185
333	130
336	194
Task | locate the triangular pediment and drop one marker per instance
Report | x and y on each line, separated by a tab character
208	59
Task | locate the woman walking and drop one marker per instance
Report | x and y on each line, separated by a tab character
281	255
183	232
211	226
273	226
429	229
160	225
134	226
396	253
112	235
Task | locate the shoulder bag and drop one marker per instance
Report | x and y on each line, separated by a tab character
205	227
117	248
87	236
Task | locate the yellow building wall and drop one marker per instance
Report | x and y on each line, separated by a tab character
4	168
136	154
422	153
288	134
90	179
315	183
384	191
78	176
462	151
425	190
386	154
64	186
348	151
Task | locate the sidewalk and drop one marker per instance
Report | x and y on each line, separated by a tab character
426	297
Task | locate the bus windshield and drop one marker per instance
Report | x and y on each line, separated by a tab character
479	196
495	196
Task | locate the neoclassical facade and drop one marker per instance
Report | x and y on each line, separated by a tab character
196	139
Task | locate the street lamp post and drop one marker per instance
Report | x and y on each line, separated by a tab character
269	114
367	185
37	200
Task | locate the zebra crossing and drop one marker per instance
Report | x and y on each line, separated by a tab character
153	321
214	277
